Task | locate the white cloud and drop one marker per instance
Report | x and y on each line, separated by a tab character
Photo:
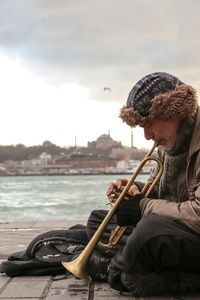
56	57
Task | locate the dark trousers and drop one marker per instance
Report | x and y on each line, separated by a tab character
159	243
155	245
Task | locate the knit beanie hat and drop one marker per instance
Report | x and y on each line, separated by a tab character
159	95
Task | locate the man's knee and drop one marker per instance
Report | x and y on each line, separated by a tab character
150	230
149	226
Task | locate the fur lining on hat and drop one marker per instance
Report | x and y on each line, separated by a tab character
181	102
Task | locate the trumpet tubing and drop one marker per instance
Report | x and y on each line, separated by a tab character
78	267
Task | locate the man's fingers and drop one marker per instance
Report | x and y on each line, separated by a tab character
134	190
116	186
111	188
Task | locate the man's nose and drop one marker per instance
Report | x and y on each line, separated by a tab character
148	134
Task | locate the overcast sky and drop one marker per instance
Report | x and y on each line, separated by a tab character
57	56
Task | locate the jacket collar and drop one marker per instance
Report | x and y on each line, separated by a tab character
195	141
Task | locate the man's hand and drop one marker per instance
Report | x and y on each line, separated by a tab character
115	187
129	212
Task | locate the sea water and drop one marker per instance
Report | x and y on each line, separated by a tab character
42	198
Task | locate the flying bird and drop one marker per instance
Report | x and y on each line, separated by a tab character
106	89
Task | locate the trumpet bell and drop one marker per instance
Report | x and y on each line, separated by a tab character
78	267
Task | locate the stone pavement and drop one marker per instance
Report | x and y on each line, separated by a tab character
16	236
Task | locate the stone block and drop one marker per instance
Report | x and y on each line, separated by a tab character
23	289
3	280
68	289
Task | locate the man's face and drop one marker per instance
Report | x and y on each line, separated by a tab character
162	132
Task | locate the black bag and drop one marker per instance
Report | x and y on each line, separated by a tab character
45	253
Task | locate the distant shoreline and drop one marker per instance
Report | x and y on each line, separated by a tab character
73	174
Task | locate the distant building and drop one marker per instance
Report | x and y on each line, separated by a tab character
45	159
104	142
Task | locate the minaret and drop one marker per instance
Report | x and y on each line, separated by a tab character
131	137
75	140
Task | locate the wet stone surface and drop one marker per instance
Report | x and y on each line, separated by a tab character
16	236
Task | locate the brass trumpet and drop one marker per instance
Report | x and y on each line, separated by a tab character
78	266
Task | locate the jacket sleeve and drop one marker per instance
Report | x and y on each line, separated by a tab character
187	212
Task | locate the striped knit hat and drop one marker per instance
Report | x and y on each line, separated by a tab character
159	95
